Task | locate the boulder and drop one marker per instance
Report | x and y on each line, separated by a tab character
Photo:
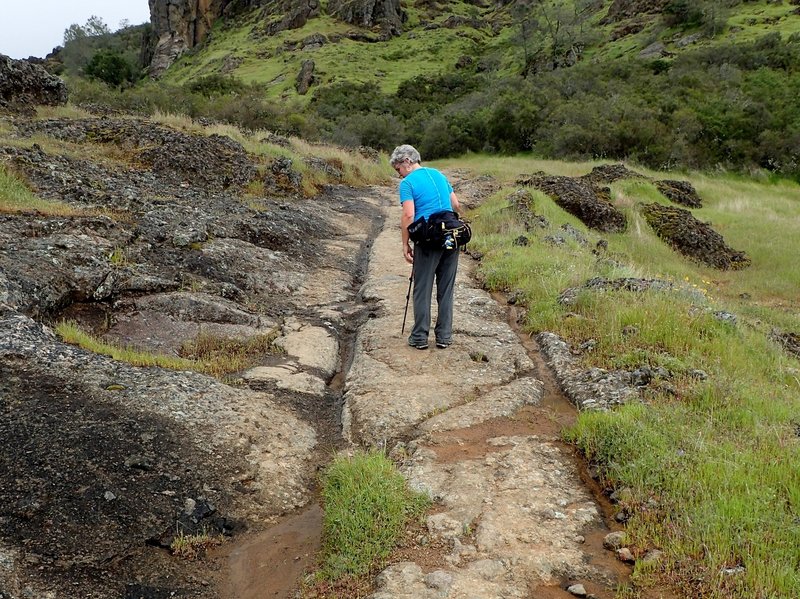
584	200
24	85
692	238
305	77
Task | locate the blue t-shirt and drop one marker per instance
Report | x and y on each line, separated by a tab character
429	189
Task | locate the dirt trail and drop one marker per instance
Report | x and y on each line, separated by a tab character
476	426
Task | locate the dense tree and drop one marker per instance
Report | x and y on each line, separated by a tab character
110	67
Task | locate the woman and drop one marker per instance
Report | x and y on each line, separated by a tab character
423	192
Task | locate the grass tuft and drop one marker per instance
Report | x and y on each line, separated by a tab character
223	355
16	197
367	506
191	547
209	354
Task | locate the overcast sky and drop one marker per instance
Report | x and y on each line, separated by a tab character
35	27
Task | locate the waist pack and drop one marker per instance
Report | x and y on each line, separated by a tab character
442	230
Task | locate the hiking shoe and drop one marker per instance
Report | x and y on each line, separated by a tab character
419	345
443	344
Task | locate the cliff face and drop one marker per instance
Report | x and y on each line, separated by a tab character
179	25
386	14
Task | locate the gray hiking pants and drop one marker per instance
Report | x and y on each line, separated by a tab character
441	265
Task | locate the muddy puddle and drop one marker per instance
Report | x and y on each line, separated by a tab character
271	564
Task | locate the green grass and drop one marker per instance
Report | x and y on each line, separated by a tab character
193	546
712	464
209	354
367	506
16	197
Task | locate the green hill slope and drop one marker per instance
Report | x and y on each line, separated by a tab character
666	83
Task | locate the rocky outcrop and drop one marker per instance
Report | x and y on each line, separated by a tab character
680	192
624	9
290	15
588	202
179	25
386	14
165	252
692	238
214	161
305	77
24	85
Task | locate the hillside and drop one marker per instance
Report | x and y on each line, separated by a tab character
666	84
441	37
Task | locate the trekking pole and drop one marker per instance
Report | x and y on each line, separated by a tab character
408	295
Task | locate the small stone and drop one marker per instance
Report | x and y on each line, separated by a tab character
614	540
439	580
577	589
725	316
580	539
623	495
701	375
625	555
109	496
661	373
629	330
641	377
653	556
138	462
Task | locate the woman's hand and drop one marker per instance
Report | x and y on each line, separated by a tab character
408	253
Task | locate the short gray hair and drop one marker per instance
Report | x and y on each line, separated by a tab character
404	152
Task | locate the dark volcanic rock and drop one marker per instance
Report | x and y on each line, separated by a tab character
522	202
102	462
52	264
305	77
569	296
590	204
680	192
592	389
692	238
213	161
108	456
787	340
24	85
370	13
609	173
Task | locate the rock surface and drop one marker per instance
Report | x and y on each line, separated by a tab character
115	460
24	85
124	458
582	198
692	238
